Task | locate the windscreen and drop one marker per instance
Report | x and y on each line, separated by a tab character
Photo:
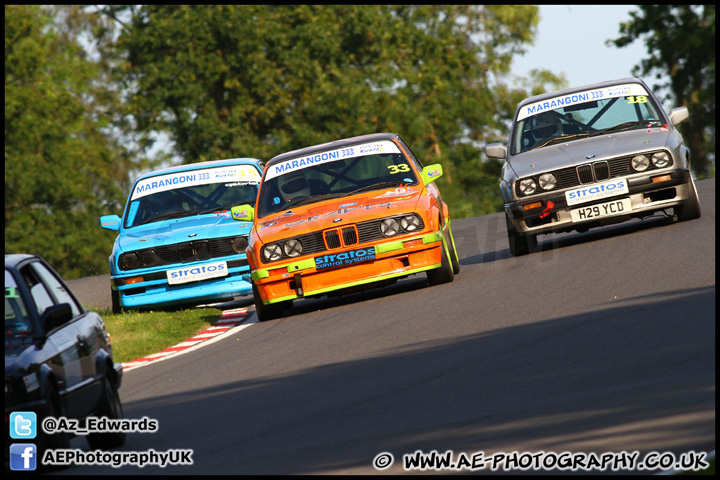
583	114
191	192
333	174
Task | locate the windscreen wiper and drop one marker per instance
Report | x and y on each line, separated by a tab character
626	126
561	139
165	216
375	186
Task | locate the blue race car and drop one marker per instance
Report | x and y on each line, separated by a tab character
177	242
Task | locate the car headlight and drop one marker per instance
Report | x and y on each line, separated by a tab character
527	186
149	258
293	248
272	252
547	181
128	261
410	223
239	244
640	163
389	227
661	159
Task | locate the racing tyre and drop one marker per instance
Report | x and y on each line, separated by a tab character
115	298
268	312
60	439
444	274
519	244
691	209
111	408
453	253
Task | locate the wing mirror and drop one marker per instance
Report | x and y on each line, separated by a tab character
110	222
496	150
243	213
431	173
678	115
56	316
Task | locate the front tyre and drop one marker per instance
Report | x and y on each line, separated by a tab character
109	406
271	311
444	274
519	244
690	210
454	259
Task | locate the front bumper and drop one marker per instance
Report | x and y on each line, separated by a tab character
393	259
152	289
645	196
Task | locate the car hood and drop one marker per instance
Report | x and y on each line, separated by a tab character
586	150
198	227
337	212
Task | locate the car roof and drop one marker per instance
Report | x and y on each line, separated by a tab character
13	259
591	86
209	164
371	137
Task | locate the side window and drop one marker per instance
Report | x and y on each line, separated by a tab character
41	297
56	287
412	156
17	320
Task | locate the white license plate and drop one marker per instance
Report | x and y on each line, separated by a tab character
197	273
609	209
597	191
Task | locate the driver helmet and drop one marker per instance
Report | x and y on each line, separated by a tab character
293	185
545	125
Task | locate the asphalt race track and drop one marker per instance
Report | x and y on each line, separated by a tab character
600	342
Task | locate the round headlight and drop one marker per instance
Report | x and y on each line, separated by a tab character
149	258
640	163
239	244
129	261
527	186
547	181
389	227
293	248
272	252
410	223
661	159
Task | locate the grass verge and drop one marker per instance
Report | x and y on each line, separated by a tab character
136	335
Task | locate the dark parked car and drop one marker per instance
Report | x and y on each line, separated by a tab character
590	156
58	358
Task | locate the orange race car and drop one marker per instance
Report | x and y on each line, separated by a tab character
350	214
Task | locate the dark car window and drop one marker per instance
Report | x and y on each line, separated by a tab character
17	321
334	173
41	297
191	192
56	287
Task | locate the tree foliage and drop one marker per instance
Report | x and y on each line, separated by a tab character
681	45
259	80
60	161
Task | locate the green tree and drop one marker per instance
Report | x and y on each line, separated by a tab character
259	80
681	45
61	158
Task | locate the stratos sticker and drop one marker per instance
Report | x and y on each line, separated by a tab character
345	258
597	191
195	274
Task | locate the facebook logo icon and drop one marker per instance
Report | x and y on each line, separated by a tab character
23	425
23	456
